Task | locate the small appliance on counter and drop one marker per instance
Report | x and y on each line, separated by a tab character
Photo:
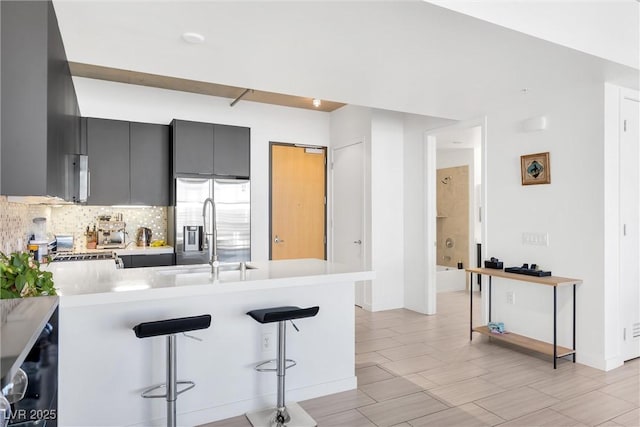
64	243
111	234
40	243
143	237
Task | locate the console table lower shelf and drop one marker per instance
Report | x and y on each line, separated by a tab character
525	342
551	349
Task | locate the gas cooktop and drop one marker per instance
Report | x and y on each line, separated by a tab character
89	256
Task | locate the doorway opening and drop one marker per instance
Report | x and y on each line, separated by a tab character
298	201
455	202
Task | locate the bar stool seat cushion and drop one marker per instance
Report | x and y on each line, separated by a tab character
172	326
279	314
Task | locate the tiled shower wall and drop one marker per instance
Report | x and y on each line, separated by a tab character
16	222
452	223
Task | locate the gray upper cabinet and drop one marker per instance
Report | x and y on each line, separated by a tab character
40	118
231	151
150	164
108	149
192	148
129	162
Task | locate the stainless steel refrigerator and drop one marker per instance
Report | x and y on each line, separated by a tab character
232	198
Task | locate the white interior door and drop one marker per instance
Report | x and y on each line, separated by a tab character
630	222
348	210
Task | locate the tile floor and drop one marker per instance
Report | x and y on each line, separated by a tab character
415	370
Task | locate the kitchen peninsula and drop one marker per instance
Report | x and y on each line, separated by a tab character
104	367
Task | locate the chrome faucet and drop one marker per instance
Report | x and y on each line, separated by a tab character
212	237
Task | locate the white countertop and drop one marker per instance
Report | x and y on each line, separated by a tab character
25	320
99	282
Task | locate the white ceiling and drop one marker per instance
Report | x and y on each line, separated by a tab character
408	56
609	29
458	138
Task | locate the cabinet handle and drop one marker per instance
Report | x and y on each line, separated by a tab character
88	183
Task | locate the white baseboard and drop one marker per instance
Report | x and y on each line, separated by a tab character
598	362
234	409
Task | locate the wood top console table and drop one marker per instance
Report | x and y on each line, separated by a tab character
520	340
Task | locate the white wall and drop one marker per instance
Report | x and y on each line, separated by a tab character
570	209
351	124
387	218
415	267
111	100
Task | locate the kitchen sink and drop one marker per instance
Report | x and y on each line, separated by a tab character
199	269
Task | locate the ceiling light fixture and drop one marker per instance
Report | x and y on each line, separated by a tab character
193	38
316	102
456	142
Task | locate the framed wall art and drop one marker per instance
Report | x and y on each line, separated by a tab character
535	169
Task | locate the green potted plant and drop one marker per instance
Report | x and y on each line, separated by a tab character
20	276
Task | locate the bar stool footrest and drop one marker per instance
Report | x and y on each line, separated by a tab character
259	367
145	394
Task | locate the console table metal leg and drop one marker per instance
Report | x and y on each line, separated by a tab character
471	307
555	348
574	323
489	296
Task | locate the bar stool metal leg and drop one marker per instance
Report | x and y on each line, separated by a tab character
172	378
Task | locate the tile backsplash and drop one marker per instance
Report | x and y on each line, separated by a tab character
74	219
16	222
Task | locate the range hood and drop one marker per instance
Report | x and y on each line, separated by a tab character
76	178
38	200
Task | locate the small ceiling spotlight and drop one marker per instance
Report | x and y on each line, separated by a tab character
193	38
316	102
524	91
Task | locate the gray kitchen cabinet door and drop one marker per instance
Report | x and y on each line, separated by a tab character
39	111
149	160
231	151
108	148
192	148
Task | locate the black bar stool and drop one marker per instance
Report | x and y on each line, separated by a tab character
292	415
170	328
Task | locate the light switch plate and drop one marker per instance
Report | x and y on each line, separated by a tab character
536	239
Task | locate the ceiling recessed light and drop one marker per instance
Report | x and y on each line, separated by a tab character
456	142
524	91
316	102
193	38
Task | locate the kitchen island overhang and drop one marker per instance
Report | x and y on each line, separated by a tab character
103	367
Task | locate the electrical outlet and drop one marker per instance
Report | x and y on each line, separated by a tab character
267	341
511	297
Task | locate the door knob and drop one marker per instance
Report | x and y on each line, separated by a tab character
277	240
357	242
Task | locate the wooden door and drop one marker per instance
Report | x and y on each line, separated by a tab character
298	202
